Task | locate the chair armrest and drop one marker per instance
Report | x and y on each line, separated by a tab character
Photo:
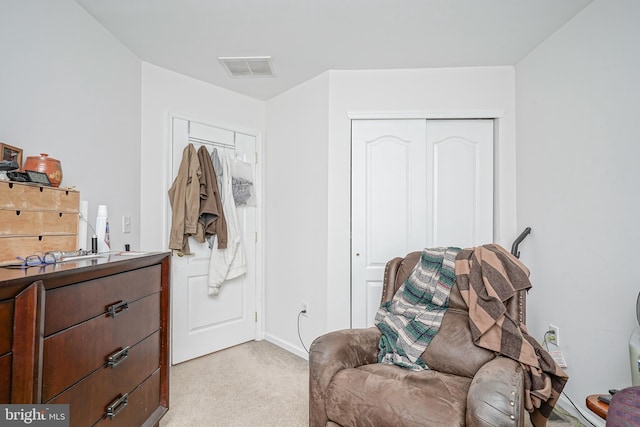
496	395
331	353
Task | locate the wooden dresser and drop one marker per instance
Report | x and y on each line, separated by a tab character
92	334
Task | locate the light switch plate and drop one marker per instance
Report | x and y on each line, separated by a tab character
126	224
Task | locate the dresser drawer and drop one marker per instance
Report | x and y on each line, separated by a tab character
76	352
88	399
141	403
70	305
5	378
37	223
13	246
16	222
28	196
54	223
6	326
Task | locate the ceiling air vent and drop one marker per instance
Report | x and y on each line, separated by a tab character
255	66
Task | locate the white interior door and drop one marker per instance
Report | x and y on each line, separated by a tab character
202	323
415	184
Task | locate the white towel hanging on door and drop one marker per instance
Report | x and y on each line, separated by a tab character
226	264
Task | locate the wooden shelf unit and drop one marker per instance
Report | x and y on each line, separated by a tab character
36	219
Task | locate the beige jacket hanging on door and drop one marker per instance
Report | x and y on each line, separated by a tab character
184	197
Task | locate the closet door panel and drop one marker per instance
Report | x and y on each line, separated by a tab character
460	184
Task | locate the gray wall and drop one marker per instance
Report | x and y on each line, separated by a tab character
70	89
578	144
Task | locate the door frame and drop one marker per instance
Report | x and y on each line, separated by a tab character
259	296
496	115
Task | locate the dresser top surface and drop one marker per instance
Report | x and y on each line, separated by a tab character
62	273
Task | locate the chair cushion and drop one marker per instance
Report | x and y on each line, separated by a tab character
452	350
371	395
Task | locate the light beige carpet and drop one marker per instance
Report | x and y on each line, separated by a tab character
254	384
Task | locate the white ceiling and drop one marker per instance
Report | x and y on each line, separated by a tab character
307	37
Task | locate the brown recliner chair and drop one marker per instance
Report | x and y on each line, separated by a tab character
466	385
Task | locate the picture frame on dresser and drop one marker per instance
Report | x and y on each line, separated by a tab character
9	153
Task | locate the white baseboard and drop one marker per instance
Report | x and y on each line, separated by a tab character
297	350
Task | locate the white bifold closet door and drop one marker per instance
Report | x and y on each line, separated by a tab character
415	184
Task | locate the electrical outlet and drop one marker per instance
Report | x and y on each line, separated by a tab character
304	307
554	335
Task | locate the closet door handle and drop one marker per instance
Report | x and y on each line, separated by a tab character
117	406
118	308
118	357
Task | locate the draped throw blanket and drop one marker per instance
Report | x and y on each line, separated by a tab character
487	276
411	319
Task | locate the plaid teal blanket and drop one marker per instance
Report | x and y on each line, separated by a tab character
411	319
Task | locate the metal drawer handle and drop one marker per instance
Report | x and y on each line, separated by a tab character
116	407
118	357
118	308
